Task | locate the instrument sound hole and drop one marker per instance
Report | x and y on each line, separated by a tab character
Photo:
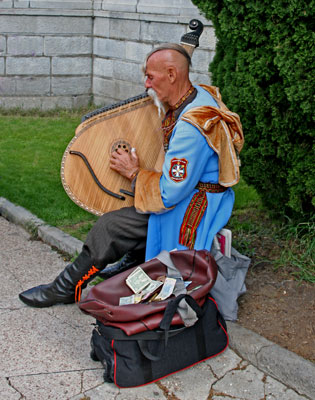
121	144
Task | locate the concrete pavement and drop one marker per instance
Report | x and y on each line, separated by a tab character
44	353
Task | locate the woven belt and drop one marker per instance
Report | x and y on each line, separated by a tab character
195	211
211	187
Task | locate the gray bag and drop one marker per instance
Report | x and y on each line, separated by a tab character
230	283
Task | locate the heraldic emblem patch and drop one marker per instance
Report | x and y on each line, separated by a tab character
178	169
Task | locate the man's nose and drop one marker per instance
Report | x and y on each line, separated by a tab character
147	83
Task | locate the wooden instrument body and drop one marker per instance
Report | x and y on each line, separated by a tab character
135	124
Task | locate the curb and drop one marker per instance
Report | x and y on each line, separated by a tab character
283	365
39	229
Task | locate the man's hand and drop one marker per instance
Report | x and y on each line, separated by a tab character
126	164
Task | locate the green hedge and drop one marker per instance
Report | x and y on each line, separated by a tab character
264	67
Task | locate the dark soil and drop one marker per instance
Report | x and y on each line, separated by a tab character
279	308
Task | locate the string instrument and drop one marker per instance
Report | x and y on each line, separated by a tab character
133	123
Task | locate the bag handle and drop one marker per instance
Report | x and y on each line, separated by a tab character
165	325
187	314
172	306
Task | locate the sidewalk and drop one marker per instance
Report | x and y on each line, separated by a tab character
45	352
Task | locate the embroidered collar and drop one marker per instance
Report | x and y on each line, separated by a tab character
182	99
173	113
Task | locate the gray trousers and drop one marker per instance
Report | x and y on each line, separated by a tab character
114	234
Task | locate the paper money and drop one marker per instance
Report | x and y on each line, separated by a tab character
138	280
167	289
150	289
133	299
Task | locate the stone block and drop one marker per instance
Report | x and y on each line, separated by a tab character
6	3
101	27
3	46
124	89
7	86
120	5
124	29
81	101
65	4
1	66
25	45
97	4
52	102
79	45
27	24
104	87
168	7
158	32
103	67
137	51
28	66
21	3
126	71
71	85
201	60
71	65
197	78
32	86
25	103
189	10
109	48
100	101
208	39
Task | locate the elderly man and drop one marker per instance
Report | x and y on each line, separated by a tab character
183	206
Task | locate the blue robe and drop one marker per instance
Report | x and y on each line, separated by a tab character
188	144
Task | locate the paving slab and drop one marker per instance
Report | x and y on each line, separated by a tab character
45	353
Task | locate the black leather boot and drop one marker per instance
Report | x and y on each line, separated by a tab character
131	259
65	287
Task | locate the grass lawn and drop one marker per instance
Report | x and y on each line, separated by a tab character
31	149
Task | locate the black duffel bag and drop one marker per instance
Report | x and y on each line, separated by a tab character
145	357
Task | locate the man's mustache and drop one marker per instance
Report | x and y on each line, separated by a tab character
151	92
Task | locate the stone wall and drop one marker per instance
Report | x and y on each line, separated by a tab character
68	53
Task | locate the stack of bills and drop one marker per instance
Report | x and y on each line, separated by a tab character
142	286
138	280
145	289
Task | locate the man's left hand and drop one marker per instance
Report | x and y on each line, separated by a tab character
124	163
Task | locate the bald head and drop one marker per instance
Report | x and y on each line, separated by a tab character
167	72
171	46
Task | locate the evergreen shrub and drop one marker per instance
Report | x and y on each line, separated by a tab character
264	67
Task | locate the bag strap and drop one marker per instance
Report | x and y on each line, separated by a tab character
165	325
111	332
186	312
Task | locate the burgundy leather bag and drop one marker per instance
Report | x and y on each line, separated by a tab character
102	302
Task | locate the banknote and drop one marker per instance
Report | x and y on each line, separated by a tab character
138	280
133	299
167	289
148	291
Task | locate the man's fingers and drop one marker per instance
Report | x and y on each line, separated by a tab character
134	153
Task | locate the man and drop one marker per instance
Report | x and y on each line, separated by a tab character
183	206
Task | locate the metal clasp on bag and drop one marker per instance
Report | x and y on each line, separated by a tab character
96	328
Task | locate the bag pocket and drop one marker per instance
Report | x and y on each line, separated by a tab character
143	358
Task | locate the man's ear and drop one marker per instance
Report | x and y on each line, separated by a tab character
172	74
